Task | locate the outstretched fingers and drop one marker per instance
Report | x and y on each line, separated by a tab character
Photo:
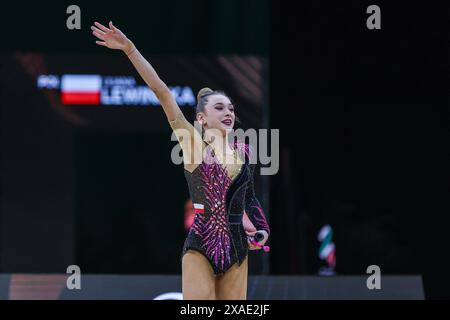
101	27
98	30
113	27
101	43
98	35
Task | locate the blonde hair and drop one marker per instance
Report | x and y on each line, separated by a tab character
202	97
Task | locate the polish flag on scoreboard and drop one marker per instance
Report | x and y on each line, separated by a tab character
81	89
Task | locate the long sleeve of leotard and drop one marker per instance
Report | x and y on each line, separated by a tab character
253	207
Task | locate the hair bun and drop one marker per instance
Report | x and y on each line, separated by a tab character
204	92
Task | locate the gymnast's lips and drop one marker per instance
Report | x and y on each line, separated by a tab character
227	122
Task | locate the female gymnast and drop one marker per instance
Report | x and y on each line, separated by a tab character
220	180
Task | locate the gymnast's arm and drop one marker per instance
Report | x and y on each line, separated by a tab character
189	138
254	210
113	38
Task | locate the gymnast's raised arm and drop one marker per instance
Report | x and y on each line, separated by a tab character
113	38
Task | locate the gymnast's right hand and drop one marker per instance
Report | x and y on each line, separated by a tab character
112	37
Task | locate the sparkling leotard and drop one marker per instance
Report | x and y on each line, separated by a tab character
220	193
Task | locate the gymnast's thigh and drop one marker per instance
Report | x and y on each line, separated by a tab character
232	285
198	278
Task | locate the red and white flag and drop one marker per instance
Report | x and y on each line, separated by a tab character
81	89
199	208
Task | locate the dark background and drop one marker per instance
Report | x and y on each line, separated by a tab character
363	118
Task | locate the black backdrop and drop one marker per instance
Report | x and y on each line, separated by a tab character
365	125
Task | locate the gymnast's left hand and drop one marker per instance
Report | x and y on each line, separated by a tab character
251	234
112	37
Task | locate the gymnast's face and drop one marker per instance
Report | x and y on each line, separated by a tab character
218	114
